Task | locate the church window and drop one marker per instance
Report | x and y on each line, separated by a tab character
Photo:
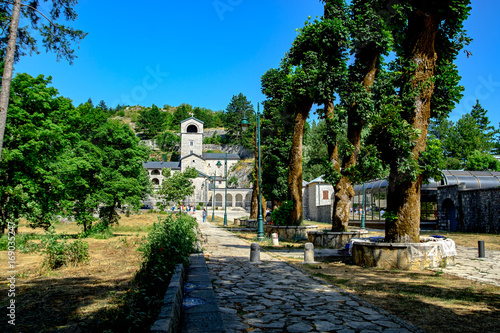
191	143
192	129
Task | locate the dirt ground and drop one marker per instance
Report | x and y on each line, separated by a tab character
75	299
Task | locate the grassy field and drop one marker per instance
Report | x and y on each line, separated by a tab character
431	300
75	299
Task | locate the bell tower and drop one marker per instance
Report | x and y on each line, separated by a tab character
191	137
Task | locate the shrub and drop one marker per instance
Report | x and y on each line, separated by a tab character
281	215
58	253
170	242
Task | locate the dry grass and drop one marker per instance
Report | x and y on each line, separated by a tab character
75	299
431	300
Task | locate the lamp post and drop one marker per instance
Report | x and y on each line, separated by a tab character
213	198
244	126
363	209
225	195
213	208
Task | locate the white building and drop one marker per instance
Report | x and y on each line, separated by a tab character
210	166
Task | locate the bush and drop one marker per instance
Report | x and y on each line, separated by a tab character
281	215
58	253
170	242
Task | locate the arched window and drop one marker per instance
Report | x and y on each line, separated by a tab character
155	172
156	182
192	129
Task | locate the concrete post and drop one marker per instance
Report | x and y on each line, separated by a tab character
276	241
309	253
255	253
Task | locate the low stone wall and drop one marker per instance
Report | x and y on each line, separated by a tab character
404	256
169	319
289	232
331	240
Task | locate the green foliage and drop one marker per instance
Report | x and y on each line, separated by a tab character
62	161
232	182
238	108
215	139
59	253
170	242
167	141
176	186
478	161
282	214
151	121
472	132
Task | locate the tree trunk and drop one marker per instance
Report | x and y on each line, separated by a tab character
403	197
8	67
366	60
295	165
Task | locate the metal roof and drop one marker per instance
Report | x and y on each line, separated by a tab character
162	165
471	179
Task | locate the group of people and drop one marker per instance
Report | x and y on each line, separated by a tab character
190	209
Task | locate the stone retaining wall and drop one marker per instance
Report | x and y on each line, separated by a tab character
289	232
331	240
399	256
169	319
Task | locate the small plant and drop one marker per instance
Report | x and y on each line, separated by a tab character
76	252
58	253
281	215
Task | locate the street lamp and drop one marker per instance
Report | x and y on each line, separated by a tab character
225	195
244	126
213	198
363	209
213	206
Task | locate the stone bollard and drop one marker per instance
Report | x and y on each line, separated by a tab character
255	253
276	241
309	253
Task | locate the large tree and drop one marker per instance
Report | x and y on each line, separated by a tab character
316	68
37	133
239	107
15	40
425	85
371	38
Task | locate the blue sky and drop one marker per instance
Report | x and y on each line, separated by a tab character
203	52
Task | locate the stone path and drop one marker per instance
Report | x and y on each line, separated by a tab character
469	266
274	296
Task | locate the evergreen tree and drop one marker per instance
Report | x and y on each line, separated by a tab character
151	121
238	108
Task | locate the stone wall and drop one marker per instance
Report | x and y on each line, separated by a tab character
480	210
474	210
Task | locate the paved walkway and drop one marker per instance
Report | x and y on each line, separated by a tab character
274	296
469	266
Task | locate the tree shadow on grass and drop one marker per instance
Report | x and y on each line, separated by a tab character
434	302
62	304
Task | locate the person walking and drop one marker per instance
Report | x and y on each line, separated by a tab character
204	215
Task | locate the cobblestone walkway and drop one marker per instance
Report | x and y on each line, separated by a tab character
469	266
274	296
